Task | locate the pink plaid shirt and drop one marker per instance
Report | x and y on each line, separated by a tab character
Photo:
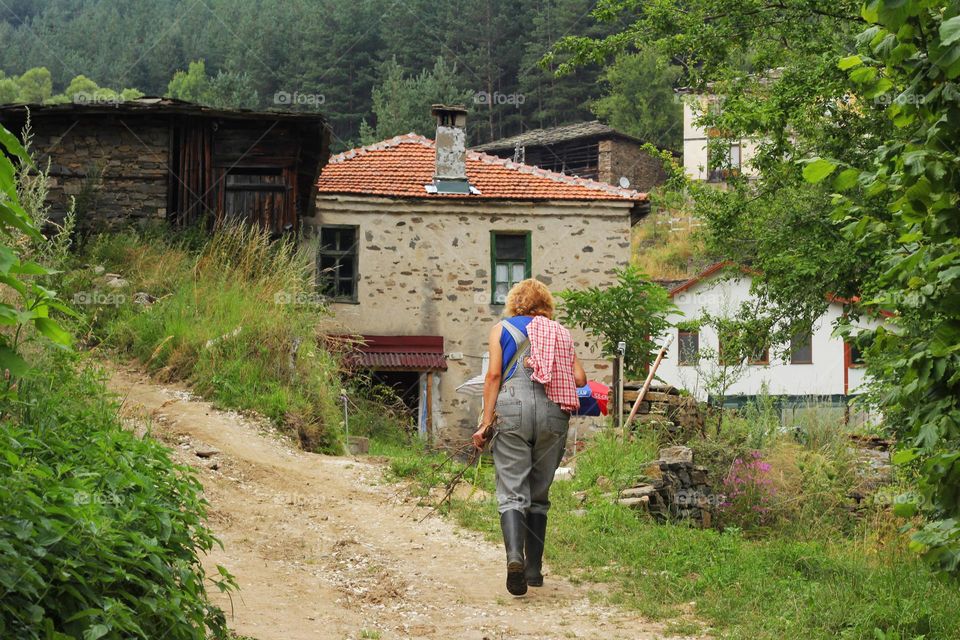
551	356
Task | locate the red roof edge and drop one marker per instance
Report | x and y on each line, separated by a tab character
723	264
703	275
400	353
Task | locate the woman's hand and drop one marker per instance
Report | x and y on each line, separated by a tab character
482	435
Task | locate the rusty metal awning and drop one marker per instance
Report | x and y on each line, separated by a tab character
399	353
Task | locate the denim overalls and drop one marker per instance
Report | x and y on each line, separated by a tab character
529	442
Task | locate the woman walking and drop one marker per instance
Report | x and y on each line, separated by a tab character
528	394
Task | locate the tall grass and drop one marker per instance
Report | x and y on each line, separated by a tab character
236	318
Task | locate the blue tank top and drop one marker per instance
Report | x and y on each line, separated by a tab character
509	346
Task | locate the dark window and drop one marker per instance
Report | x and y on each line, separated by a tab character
801	349
688	347
510	262
723	168
337	262
857	347
760	356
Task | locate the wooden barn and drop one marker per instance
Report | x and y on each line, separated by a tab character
165	159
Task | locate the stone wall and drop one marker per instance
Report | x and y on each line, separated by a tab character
622	158
115	174
664	408
673	488
425	270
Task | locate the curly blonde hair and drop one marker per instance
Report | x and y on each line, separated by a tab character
530	297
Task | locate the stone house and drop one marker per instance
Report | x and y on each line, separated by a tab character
165	159
420	241
585	149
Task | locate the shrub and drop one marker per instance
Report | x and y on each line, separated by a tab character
100	530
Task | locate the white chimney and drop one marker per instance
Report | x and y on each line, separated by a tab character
450	172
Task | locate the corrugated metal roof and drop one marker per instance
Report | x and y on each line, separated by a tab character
419	353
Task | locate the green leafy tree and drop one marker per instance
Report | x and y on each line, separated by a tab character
192	85
36	85
879	127
640	99
81	85
632	311
9	90
401	103
232	90
903	198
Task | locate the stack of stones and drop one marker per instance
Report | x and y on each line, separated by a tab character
666	409
673	488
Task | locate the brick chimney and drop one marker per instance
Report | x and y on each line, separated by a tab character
450	171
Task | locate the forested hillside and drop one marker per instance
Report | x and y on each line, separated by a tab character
378	62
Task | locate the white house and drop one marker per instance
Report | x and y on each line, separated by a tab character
697	162
819	365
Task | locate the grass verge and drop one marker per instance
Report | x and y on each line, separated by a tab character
836	587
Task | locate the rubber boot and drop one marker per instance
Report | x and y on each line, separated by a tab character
513	524
536	534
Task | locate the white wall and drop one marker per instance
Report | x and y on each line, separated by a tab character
695	161
721	296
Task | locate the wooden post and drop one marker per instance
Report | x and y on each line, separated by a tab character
615	390
621	354
429	406
646	385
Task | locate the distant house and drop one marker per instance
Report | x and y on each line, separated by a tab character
419	242
165	159
585	149
819	367
698	163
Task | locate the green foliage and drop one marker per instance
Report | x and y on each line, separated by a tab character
640	99
401	104
236	317
192	85
337	51
36	86
860	126
9	91
902	198
30	315
633	311
101	532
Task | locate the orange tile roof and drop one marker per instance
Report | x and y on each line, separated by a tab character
402	166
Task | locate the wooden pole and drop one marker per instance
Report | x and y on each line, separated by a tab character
429	401
646	385
620	381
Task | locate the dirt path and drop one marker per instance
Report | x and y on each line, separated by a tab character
323	547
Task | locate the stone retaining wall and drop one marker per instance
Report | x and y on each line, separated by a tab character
672	488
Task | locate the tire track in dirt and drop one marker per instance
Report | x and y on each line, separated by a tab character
323	547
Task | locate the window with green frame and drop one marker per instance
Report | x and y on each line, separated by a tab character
509	261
